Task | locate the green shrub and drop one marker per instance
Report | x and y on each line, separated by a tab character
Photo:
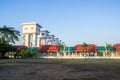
99	53
34	54
26	53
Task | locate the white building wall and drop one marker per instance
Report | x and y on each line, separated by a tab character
50	40
43	36
34	42
34	29
31	28
27	39
56	41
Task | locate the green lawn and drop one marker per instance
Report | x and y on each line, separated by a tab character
62	61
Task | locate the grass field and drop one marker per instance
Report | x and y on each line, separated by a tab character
59	69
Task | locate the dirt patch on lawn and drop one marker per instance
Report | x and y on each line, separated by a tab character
37	71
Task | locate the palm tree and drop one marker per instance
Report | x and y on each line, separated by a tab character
85	48
61	46
9	34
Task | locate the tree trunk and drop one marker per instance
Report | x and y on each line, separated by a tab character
3	55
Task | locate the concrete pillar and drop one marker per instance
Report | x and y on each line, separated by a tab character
112	54
34	42
48	54
80	54
23	39
116	54
57	54
38	42
64	54
103	54
95	54
72	54
27	39
69	54
76	55
88	54
45	41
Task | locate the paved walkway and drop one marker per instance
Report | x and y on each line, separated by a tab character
81	57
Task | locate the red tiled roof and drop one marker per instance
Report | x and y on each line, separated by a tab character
91	47
117	47
48	48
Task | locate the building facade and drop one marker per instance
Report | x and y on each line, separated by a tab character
34	35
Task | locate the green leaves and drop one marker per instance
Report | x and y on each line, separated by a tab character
4	47
85	47
84	44
108	46
8	34
26	53
61	46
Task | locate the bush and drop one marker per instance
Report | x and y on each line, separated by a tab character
24	53
27	53
99	53
34	54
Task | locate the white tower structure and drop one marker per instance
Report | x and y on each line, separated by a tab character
30	32
56	40
42	38
50	39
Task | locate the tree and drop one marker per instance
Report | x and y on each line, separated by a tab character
108	48
8	34
85	48
61	46
6	48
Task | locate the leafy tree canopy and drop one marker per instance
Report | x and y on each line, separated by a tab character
8	34
84	44
61	46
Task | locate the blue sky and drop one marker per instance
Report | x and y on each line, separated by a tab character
73	21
